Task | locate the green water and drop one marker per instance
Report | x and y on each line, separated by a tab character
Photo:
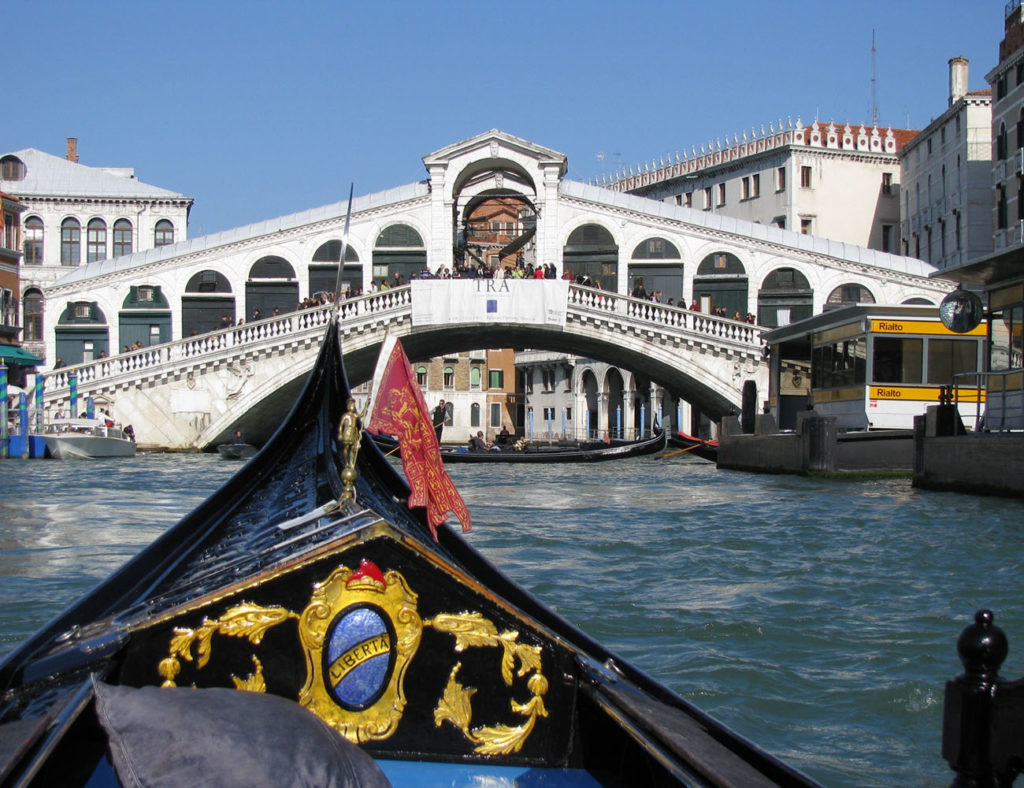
816	617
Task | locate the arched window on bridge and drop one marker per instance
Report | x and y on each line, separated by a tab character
399	250
656	263
206	303
145	317
591	251
32	310
847	294
721	285
785	297
81	333
919	301
271	285
323	271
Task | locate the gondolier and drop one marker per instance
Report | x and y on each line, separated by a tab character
438	417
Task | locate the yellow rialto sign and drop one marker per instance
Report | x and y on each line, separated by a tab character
919	393
912	327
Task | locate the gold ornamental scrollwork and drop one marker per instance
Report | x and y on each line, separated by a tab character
359	633
247	620
473	630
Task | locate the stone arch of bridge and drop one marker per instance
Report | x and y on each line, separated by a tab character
700	377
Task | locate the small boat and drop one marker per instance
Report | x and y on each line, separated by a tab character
590	452
236	451
85	438
369	644
699	447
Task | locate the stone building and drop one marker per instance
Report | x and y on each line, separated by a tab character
1007	82
10	256
946	177
836	181
75	215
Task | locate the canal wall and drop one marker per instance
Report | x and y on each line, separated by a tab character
816	445
986	463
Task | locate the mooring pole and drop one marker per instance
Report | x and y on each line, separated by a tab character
983	715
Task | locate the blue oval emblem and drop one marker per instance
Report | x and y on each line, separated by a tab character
359	655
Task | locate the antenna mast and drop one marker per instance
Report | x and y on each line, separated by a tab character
874	105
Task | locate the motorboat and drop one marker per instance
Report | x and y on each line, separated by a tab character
85	438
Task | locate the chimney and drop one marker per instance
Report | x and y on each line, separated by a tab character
957	79
73	149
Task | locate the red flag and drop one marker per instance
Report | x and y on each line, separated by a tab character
399	409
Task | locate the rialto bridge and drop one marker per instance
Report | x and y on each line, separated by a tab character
492	200
194	392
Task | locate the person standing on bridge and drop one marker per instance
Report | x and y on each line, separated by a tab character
438	417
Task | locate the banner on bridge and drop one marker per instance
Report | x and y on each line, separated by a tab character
445	301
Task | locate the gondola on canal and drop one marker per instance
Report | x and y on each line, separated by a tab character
304	624
588	452
699	447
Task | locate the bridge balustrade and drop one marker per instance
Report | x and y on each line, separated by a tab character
369	309
656	313
246	336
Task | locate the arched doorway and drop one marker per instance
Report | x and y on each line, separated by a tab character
617	415
81	333
206	303
323	270
785	297
271	286
591	402
720	285
145	317
657	265
399	250
498	230
591	251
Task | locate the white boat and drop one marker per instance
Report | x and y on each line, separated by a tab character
86	439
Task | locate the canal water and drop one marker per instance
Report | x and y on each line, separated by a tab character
816	617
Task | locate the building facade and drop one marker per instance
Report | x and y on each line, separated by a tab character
75	215
835	181
10	258
946	179
1007	81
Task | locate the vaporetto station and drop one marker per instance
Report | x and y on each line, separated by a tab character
200	372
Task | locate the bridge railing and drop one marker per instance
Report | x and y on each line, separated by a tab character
155	360
222	342
680	318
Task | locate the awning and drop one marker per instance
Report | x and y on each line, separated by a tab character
12	354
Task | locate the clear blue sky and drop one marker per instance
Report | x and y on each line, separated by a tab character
259	109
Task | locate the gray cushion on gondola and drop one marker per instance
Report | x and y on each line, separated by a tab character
176	736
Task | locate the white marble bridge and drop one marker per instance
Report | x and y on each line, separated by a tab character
193	393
